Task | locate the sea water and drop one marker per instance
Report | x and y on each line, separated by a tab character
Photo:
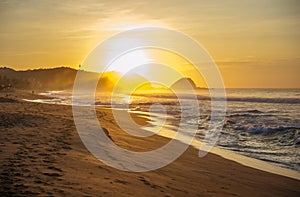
259	123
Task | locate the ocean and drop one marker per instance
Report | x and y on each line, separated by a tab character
260	123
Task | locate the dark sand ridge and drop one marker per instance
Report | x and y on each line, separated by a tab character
41	153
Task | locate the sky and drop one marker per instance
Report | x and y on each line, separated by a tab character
255	44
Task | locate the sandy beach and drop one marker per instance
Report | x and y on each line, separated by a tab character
42	154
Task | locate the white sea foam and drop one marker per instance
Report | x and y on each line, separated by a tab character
260	123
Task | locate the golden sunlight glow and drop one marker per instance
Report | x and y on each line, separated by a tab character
144	62
129	61
250	52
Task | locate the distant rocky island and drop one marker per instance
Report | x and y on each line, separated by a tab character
62	78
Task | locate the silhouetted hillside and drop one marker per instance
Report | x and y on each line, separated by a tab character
63	79
41	79
132	82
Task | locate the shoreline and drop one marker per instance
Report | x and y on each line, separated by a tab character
226	154
243	160
42	154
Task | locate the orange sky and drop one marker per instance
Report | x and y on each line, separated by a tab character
254	43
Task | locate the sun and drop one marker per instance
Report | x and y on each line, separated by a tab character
129	61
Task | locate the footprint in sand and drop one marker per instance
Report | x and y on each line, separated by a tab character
121	182
54	168
147	182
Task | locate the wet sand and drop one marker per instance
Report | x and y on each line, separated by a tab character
42	154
